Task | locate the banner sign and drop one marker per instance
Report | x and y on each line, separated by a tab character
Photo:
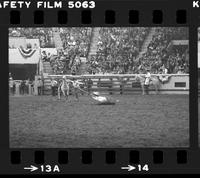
19	56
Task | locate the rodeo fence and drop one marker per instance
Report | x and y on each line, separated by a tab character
126	83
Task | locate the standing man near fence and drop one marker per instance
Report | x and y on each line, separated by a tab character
11	85
22	87
54	85
89	85
39	86
27	82
147	81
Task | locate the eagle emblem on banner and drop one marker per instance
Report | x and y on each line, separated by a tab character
26	52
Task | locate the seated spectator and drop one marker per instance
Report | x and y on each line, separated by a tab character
44	56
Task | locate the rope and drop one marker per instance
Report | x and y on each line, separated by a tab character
91	94
84	91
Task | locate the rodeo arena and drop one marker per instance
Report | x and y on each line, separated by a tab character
83	87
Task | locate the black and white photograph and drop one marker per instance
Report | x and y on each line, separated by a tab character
98	87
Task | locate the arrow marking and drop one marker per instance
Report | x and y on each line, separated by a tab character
31	168
129	168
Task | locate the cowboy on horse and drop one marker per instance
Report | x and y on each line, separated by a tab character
63	87
147	81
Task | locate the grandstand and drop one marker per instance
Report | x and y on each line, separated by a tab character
110	50
105	50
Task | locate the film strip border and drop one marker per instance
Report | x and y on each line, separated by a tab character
105	13
109	17
102	161
108	160
16	157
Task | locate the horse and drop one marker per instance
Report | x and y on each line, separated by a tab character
64	87
154	81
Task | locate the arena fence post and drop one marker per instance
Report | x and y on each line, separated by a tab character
121	88
111	87
99	83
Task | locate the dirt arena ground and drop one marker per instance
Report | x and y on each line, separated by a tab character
136	121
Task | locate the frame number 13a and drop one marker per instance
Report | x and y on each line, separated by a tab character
49	168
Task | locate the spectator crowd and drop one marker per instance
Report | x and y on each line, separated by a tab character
159	53
76	42
118	49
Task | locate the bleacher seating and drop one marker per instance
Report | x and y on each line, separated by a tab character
117	49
